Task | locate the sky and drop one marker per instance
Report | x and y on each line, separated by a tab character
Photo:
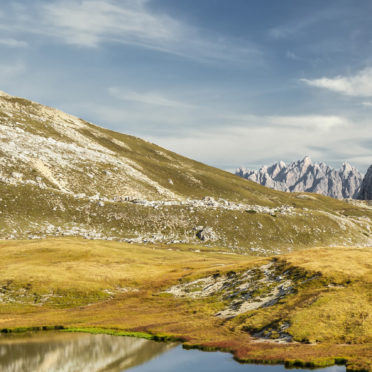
227	82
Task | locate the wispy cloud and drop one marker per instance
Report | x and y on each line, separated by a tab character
293	56
306	122
293	28
300	122
93	23
366	104
148	98
358	85
14	43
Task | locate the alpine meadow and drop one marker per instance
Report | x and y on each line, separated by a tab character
185	186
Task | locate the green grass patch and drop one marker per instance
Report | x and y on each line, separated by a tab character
118	332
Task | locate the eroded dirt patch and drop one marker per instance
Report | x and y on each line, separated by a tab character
252	289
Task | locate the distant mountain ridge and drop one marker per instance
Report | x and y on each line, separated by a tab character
365	192
306	176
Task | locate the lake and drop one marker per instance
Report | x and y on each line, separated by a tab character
70	352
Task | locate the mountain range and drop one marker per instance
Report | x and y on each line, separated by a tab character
306	176
63	176
365	192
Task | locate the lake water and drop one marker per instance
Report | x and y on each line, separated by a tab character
70	352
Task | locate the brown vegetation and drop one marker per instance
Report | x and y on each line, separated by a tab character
113	286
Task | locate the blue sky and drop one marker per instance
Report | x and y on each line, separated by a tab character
229	83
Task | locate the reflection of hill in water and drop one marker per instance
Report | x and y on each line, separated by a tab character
70	352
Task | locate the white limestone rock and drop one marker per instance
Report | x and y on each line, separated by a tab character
207	234
305	176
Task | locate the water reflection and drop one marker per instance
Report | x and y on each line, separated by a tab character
70	352
79	352
179	360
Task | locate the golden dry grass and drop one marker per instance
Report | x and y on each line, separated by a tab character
335	309
95	265
336	261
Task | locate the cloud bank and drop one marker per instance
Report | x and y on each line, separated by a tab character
226	139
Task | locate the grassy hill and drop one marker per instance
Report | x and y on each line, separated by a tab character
60	175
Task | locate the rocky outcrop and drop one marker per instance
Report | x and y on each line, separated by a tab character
365	192
305	176
244	291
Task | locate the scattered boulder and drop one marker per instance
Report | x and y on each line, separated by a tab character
207	234
17	175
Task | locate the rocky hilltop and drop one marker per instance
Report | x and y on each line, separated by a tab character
305	176
365	192
62	176
51	150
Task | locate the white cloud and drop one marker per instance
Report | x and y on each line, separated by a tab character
148	98
294	27
300	122
14	43
366	104
235	146
93	23
358	85
219	138
320	122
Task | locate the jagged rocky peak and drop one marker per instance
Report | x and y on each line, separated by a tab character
365	192
276	168
306	161
304	175
346	167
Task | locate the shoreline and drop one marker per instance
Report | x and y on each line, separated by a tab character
205	347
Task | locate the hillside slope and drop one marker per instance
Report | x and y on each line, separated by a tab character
47	148
60	175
